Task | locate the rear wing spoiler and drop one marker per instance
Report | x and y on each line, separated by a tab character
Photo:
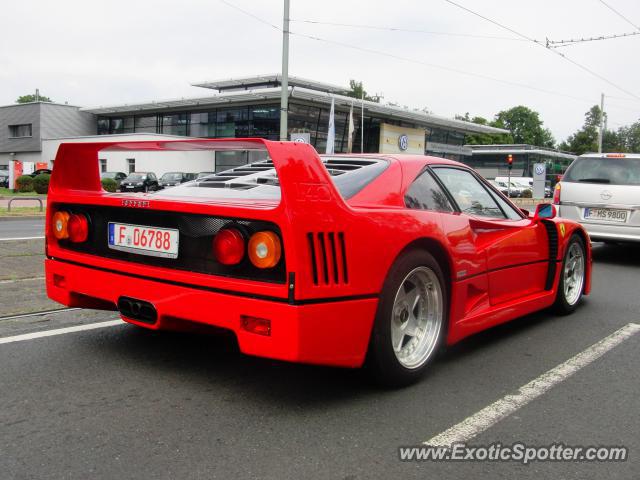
303	179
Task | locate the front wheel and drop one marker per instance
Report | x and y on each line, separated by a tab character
410	321
572	277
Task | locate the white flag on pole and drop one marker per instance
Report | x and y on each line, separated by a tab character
352	129
331	134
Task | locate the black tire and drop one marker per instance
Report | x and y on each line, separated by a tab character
561	305
382	363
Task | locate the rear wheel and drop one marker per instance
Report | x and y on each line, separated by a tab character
572	277
410	321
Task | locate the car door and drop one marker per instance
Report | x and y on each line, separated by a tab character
514	247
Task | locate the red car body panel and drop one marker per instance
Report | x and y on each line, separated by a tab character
496	269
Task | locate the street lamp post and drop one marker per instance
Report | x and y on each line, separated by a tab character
284	83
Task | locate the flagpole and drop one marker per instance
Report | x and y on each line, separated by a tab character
362	121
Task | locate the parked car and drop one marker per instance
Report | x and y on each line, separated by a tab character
329	260
4	179
171	179
602	192
500	186
204	174
140	182
117	176
515	191
40	171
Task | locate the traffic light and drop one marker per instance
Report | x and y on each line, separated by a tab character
510	161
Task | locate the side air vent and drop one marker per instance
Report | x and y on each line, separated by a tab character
328	258
552	235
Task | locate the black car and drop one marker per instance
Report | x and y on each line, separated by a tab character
40	171
204	174
140	182
4	179
117	176
171	179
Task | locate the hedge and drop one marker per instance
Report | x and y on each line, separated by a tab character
41	183
24	183
109	184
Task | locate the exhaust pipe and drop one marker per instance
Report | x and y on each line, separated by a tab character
138	310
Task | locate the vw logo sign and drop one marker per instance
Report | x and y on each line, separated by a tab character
403	142
539	169
606	195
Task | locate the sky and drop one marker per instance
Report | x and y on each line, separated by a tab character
92	53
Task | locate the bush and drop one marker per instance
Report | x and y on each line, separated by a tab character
24	183
109	184
527	193
41	183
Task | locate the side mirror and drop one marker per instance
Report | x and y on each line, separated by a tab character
545	210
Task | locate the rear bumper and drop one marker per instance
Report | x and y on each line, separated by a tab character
599	231
328	333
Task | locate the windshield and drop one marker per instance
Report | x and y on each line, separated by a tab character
171	177
614	171
136	177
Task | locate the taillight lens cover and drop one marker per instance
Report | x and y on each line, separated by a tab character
556	194
265	249
78	228
229	246
59	225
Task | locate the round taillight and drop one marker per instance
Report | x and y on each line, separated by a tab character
228	246
59	225
78	228
265	249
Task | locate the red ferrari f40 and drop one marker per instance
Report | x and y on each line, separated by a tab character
344	260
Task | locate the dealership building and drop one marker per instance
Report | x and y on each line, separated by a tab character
235	108
250	107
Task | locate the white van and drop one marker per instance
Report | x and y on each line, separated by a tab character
602	192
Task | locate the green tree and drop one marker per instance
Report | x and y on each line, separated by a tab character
586	139
484	138
525	126
356	90
32	98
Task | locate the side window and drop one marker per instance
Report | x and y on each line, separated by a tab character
468	192
425	194
506	208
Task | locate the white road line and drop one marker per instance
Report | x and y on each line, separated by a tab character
20	238
16	280
40	313
61	331
489	416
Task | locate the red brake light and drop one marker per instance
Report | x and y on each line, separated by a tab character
615	155
556	194
78	228
228	246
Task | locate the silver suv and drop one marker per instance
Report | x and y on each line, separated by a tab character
602	192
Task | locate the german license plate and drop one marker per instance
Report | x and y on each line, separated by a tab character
157	242
606	214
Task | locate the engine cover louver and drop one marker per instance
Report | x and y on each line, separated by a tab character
328	258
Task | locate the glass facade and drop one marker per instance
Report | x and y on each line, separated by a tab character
264	121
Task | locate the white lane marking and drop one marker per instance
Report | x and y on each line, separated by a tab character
60	331
15	280
40	313
488	416
20	238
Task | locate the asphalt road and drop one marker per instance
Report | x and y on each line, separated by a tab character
122	402
21	227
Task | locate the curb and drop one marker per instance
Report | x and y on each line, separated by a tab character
18	217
